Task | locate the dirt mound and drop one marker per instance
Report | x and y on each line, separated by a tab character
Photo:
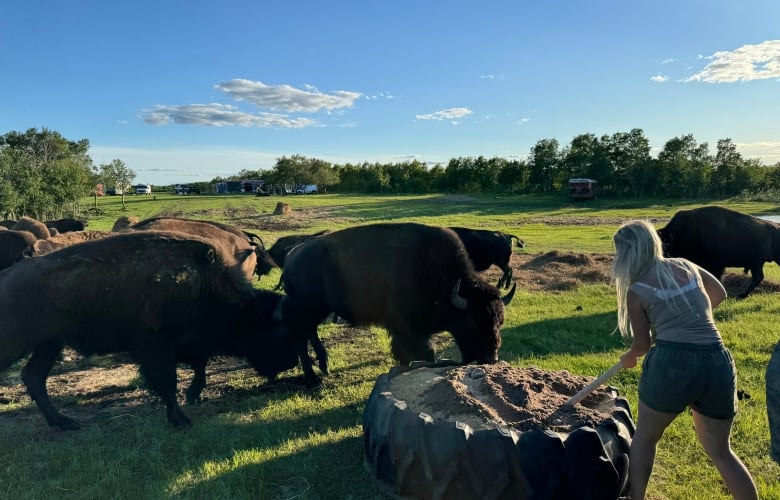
487	396
556	271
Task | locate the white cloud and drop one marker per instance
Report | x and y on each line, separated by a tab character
219	115
668	60
285	97
446	114
767	151
523	121
659	78
747	63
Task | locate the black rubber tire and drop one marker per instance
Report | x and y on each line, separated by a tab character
412	455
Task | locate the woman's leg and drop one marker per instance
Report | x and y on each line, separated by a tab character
649	429
714	436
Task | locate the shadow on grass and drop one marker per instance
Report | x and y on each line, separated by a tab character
574	335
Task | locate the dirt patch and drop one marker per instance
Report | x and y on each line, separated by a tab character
555	271
488	396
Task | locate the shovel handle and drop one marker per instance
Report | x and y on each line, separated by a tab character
593	385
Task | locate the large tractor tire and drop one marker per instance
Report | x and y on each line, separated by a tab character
413	456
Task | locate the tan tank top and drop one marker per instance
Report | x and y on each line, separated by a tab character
683	315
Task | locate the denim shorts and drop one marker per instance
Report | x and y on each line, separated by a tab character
677	375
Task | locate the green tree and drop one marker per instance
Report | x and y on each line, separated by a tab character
544	163
119	175
42	174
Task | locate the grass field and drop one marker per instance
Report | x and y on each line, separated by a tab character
252	440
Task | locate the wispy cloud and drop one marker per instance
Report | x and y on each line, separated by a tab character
523	121
767	151
659	78
747	63
219	115
285	97
669	60
446	114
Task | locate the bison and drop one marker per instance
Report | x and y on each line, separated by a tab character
412	279
160	297
34	226
486	248
13	245
66	225
235	240
716	238
279	251
62	240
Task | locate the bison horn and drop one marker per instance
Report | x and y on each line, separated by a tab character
506	299
457	300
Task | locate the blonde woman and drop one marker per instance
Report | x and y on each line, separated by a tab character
686	365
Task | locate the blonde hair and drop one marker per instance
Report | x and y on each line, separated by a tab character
638	248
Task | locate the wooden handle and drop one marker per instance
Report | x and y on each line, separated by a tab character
593	385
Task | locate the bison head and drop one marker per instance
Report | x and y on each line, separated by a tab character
477	324
266	343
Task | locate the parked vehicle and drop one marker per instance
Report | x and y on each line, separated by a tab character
582	189
143	189
306	189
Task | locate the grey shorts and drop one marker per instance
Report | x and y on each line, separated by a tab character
677	375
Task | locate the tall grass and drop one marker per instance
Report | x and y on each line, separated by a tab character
285	443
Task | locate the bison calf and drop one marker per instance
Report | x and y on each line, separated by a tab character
161	297
486	248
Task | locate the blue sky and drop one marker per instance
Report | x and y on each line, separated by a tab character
187	91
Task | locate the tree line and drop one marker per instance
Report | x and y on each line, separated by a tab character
45	175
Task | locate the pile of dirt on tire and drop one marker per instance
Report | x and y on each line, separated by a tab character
493	431
486	396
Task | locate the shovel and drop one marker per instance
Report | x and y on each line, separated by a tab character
593	385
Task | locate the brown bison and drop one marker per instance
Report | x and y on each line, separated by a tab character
62	240
160	297
487	248
235	241
34	226
716	238
13	245
412	279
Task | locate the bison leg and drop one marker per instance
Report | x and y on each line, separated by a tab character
319	350
506	278
34	375
158	367
756	277
407	348
198	381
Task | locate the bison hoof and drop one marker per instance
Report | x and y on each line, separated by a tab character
323	364
313	381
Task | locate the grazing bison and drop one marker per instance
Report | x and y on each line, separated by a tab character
279	250
66	225
235	241
13	245
36	227
124	223
56	242
414	280
716	238
486	248
160	297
